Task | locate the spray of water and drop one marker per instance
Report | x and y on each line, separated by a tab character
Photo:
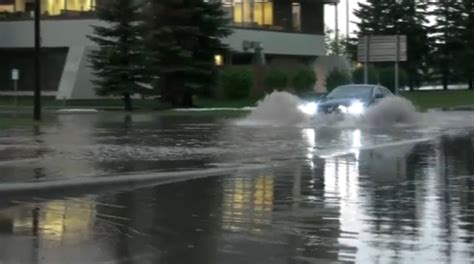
391	111
276	109
281	109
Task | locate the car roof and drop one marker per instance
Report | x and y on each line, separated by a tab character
360	85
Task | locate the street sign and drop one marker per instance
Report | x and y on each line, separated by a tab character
379	48
15	74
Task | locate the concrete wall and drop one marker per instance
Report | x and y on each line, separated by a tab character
75	81
77	75
54	33
281	43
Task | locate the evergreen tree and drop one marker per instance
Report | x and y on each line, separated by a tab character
118	62
183	37
403	17
213	26
334	47
445	37
465	58
374	17
412	21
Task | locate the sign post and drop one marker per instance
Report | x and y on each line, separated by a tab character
37	63
379	48
366	59
15	78
397	76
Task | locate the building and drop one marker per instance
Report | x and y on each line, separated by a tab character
290	31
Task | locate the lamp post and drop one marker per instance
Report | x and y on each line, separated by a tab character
446	52
347	19
37	64
336	31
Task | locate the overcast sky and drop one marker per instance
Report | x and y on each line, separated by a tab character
330	15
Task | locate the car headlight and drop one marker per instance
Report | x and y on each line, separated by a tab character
356	108
308	108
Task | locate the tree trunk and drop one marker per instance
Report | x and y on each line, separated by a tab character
471	84
411	83
127	101
445	79
174	92
166	90
187	98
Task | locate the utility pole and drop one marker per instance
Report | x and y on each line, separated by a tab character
336	29
446	52
347	19
37	99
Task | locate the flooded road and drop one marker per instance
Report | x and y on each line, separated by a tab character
154	188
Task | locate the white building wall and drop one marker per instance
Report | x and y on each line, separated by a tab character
75	82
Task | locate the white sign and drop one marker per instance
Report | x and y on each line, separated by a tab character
15	74
379	48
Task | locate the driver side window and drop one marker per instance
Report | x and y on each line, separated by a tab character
379	93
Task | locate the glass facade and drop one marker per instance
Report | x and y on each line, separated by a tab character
251	12
25	8
304	16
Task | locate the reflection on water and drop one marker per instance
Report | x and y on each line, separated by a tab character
40	226
333	195
59	221
248	203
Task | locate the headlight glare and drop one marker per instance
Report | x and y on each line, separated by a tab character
308	108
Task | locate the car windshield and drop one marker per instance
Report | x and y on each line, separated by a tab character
362	92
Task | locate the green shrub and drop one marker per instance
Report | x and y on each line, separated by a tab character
303	80
236	82
358	75
337	78
387	78
276	80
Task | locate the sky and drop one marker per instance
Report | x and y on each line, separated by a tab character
330	15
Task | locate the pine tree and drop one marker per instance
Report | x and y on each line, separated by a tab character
465	56
445	37
213	26
118	61
183	37
403	17
412	21
373	17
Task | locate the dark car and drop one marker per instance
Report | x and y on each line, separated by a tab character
352	99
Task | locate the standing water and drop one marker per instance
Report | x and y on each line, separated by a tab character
277	186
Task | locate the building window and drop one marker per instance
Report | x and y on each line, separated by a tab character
7	5
57	7
263	12
49	7
251	12
296	12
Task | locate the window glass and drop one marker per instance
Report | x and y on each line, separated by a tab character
379	92
296	12
51	7
252	12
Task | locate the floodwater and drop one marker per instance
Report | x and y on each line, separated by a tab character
196	188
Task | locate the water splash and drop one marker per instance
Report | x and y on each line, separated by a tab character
391	111
283	109
276	109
